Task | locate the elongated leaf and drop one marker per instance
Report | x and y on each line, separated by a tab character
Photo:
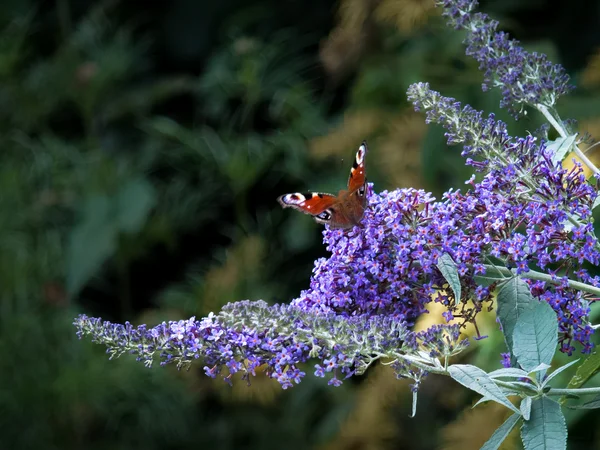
526	408
509	391
588	368
513	299
542	367
546	427
524	384
560	147
511	372
477	380
133	203
596	202
448	268
592	404
501	433
535	336
487	280
558	371
90	243
94	239
505	391
481	401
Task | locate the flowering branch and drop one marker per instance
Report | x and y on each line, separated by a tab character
525	78
246	335
540	276
563	133
526	225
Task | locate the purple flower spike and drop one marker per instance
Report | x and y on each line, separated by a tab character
522	215
524	78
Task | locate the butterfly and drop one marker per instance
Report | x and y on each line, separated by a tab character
343	211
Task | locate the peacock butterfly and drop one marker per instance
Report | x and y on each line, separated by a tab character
343	211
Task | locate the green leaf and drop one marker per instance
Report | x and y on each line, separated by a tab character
94	239
592	404
511	372
535	336
133	203
477	380
587	369
525	408
501	433
558	371
514	298
414	404
90	243
596	202
486	281
509	391
546	427
530	386
541	367
560	147
448	268
482	400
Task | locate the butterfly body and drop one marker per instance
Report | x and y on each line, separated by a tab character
342	211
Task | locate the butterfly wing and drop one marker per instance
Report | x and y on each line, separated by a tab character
343	211
354	201
318	205
357	177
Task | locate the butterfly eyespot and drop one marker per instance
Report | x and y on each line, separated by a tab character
342	211
325	215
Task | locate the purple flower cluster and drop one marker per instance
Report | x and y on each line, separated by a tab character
383	267
526	212
525	78
388	266
247	335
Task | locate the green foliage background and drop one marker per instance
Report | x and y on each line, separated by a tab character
142	148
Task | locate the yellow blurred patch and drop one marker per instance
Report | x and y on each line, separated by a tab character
475	426
226	282
568	164
263	390
347	42
357	28
341	51
399	150
370	424
397	142
591	127
406	15
486	320
590	77
355	127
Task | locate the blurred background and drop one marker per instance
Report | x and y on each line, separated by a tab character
142	146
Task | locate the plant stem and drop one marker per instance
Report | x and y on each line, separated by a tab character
534	275
580	391
518	388
563	133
